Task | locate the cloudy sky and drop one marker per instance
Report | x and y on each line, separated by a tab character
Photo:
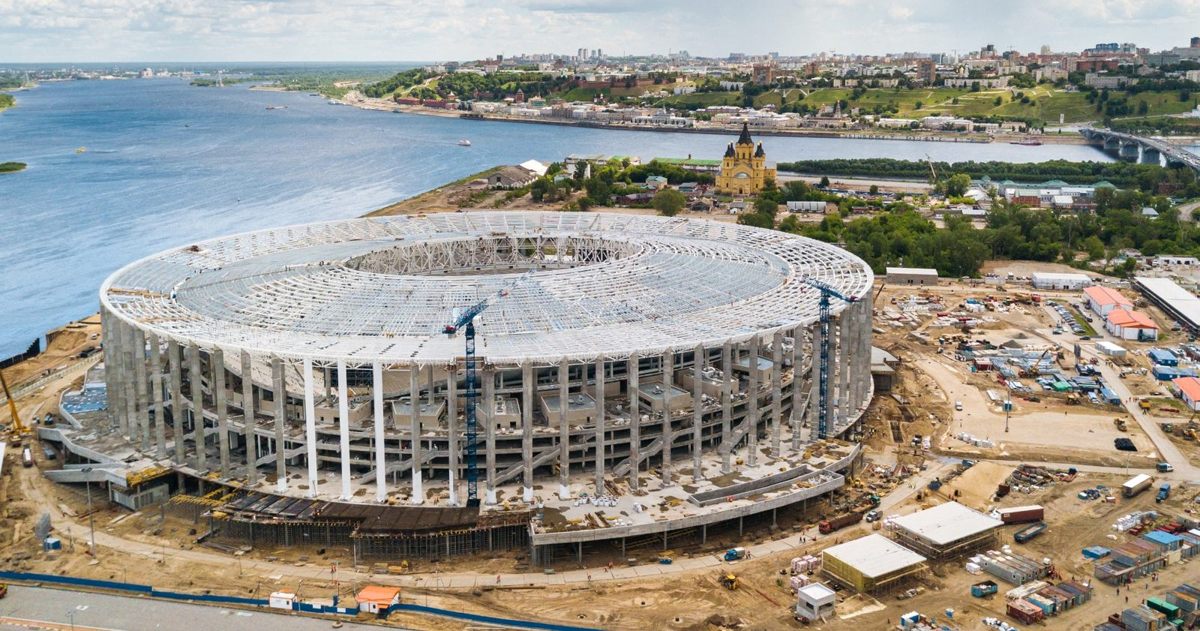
420	30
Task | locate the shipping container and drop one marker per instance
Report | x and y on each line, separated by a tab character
1136	484
1029	532
1021	514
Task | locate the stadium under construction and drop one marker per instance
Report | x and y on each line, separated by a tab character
444	384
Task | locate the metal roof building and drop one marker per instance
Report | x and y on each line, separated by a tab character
871	563
1182	305
911	276
946	530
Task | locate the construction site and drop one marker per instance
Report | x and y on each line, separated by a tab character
611	422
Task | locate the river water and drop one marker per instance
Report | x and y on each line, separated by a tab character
167	164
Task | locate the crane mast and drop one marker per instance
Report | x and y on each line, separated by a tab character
825	314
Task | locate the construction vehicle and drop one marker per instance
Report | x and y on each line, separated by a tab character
1144	405
3	590
1120	423
729	581
18	429
827	526
1164	492
1165	467
735	554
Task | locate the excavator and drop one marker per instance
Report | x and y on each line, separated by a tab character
729	581
18	430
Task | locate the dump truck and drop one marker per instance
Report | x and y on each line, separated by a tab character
841	521
1136	484
1029	532
1164	492
1021	514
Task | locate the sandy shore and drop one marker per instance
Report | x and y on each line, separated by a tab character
356	99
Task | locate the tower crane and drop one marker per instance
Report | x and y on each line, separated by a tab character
827	292
465	321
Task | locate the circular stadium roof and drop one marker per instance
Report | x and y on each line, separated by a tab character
556	285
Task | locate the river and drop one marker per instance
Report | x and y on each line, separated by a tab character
165	164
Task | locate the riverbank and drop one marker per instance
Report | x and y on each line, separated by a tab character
356	99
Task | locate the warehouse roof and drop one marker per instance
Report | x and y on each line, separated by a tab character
1060	277
917	271
1131	319
946	523
1189	386
1105	296
875	555
1181	302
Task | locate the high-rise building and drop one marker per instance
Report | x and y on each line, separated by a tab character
1196	42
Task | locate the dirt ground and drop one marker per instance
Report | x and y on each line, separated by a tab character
64	343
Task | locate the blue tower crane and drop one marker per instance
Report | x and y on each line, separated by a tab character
827	292
466	322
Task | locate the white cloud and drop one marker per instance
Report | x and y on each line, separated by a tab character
134	30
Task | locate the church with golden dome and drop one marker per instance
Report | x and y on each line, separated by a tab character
744	169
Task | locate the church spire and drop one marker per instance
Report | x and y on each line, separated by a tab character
729	151
744	139
759	153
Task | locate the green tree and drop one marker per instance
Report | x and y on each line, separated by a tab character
998	101
766	206
1143	108
669	202
874	190
957	185
824	183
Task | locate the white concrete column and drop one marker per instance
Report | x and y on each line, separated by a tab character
846	352
452	428
700	357
564	432
527	379
600	490
668	435
776	394
156	387
248	421
726	405
196	379
129	381
140	390
814	385
344	428
635	422
217	366
380	443
177	408
797	389
310	426
280	399
488	405
414	430
752	415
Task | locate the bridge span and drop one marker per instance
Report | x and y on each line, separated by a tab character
1141	149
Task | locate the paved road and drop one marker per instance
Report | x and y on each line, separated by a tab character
42	608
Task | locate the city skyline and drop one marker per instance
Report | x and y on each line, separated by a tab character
368	30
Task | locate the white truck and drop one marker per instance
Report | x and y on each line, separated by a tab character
1136	484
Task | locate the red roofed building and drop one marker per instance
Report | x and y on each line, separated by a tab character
1189	391
1105	299
1131	325
376	598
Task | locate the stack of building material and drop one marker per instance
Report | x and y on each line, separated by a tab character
1143	618
1022	591
805	564
1010	567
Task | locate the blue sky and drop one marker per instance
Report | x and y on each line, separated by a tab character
370	30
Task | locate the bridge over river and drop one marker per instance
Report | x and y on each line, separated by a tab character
1142	149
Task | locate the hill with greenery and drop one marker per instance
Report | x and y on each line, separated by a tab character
11	167
1145	177
6	101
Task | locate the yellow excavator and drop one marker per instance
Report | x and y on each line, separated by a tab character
17	428
729	580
